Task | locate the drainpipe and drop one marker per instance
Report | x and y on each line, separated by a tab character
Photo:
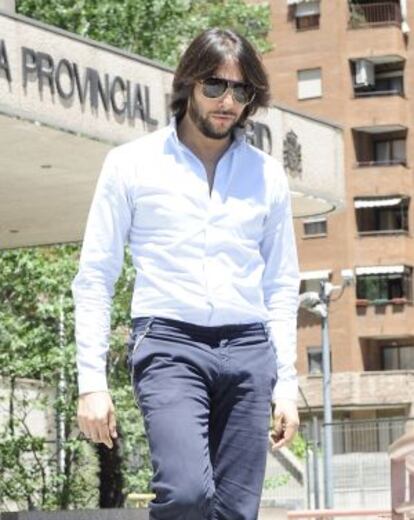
404	17
8	5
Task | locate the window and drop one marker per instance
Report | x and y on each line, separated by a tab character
307	15
315	360
315	227
385	286
313	285
400	357
392	84
382	215
310	281
389	151
309	83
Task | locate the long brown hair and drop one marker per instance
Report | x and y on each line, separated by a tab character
204	56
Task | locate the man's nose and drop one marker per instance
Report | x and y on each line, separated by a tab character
227	100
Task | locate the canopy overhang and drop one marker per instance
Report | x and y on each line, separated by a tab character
380	129
293	2
380	269
377	203
322	274
382	59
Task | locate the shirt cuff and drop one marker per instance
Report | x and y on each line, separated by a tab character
285	390
90	381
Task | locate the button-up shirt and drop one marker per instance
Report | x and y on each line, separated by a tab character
211	259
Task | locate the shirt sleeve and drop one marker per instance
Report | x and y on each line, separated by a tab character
281	280
101	261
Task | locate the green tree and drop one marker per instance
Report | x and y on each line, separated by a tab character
157	29
32	283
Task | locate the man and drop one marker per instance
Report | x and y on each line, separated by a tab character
208	221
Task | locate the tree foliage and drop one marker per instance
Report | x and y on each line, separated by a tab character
157	29
34	286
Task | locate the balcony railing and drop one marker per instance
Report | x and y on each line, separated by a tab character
389	162
372	93
376	13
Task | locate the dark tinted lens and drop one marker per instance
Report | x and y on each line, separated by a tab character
214	87
243	93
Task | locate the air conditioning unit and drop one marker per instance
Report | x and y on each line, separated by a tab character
365	73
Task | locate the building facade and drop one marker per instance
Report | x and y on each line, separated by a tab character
353	62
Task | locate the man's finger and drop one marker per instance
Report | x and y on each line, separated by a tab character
278	423
276	441
280	444
112	425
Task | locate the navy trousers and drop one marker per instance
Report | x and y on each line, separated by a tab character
205	396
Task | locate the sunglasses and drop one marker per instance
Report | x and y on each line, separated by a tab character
214	87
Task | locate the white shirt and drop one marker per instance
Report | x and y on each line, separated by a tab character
211	260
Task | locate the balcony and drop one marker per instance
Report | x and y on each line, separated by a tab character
374	14
387	317
380	145
382	216
377	76
368	389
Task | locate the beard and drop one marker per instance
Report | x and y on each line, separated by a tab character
205	126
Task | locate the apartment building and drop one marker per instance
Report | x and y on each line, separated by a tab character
352	62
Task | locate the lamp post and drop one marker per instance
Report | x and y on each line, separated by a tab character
318	303
324	294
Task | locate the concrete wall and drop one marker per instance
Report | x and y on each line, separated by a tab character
8	5
39	420
55	58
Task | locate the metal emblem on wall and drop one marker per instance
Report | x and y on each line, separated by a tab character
292	155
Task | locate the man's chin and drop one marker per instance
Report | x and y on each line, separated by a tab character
214	132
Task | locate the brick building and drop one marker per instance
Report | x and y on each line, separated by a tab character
353	62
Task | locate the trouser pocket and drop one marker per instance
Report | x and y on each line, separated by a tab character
140	330
136	337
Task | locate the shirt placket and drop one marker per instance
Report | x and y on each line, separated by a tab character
214	208
212	205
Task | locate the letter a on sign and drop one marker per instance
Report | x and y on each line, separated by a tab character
4	62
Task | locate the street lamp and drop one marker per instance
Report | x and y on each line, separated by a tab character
318	303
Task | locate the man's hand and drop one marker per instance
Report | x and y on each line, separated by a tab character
96	417
285	423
